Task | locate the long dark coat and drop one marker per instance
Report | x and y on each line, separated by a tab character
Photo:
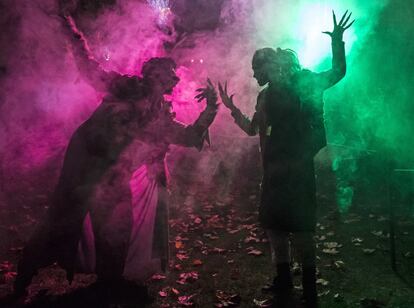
294	114
100	159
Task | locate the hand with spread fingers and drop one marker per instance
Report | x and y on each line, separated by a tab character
209	93
339	28
225	98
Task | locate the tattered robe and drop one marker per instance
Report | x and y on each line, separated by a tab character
109	212
290	123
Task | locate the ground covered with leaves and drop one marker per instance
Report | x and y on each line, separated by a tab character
220	256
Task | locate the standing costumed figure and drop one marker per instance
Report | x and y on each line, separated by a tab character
289	119
109	211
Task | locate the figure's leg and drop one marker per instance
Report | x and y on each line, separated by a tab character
55	240
304	243
112	227
282	283
34	257
280	250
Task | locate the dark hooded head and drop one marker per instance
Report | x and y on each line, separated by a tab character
261	62
159	74
286	64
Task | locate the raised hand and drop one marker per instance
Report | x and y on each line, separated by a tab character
339	28
208	93
225	98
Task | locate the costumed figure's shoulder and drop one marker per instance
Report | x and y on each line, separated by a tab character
111	113
305	79
113	105
125	87
303	74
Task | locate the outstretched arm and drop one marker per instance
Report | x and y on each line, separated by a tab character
89	68
329	78
250	127
197	133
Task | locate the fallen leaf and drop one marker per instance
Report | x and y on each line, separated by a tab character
6	266
249	227
332	245
255	252
186	300
324	293
181	256
227	300
9	276
197	262
330	251
210	236
377	233
251	239
322	282
337	297
162	293
157	277
190	276
339	264
198	243
218	250
368	251
263	303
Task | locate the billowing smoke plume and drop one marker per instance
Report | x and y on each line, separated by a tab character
44	98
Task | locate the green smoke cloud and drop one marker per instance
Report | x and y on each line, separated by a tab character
370	111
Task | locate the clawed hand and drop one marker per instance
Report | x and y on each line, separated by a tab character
225	98
340	28
208	93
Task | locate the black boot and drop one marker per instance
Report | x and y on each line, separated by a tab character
282	286
310	294
283	280
23	280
